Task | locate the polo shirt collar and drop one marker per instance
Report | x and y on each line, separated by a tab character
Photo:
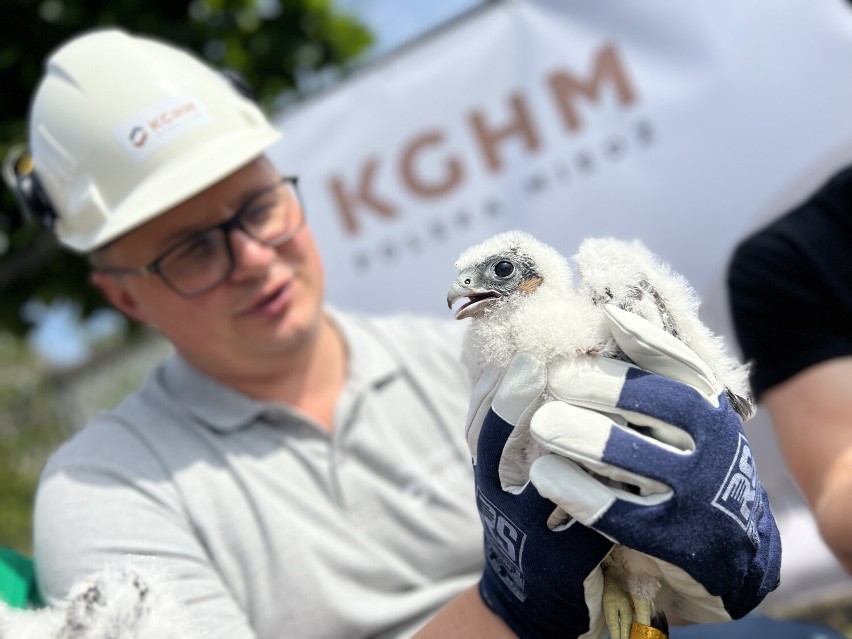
224	409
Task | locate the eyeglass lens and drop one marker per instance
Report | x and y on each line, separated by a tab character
204	260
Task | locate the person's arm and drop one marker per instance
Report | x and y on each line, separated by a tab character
92	509
812	413
466	617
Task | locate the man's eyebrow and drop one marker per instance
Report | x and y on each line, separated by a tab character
179	236
228	211
244	203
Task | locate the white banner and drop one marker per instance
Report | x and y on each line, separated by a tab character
684	124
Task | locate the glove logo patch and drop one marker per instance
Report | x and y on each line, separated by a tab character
737	497
504	545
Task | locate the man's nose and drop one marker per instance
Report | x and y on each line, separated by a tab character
250	254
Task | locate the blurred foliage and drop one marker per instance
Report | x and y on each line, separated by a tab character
40	407
277	46
29	431
22	456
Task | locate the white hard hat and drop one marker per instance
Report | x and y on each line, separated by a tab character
122	128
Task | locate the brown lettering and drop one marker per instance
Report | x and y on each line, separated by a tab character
607	68
453	170
347	203
185	108
521	124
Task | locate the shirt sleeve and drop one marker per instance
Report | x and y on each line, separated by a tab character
789	289
94	508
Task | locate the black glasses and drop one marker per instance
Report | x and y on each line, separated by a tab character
199	263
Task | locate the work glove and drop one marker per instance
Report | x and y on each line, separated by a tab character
542	582
573	435
666	428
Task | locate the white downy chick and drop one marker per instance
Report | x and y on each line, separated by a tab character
521	297
130	598
631	277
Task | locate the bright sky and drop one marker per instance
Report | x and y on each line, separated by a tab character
395	22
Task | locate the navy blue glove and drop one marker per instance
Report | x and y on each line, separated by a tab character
697	505
541	582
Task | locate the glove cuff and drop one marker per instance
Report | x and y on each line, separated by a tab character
534	623
530	621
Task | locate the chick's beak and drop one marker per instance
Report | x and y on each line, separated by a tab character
456	292
477	297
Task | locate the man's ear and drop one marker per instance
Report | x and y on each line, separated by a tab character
118	295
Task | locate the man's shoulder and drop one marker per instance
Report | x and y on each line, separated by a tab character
108	441
789	286
122	436
816	230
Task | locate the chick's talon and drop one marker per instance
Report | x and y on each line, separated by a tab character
617	608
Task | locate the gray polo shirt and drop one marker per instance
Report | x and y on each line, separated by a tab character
272	526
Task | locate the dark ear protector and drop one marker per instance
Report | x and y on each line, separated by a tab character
239	83
22	180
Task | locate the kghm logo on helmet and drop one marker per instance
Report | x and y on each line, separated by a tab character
173	116
737	497
164	122
138	136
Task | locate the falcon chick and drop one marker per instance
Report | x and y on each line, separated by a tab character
130	598
521	295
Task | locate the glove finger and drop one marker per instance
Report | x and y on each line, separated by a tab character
618	453
519	394
480	402
655	350
578	493
617	388
521	388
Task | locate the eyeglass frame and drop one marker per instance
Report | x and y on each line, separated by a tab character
233	222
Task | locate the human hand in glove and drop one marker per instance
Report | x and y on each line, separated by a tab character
697	507
541	582
668	430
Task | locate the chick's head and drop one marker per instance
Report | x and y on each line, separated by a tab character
499	274
519	295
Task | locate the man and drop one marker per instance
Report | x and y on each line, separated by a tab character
304	472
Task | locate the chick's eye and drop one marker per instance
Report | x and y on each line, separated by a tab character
504	268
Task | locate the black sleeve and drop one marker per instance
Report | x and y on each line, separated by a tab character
790	287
